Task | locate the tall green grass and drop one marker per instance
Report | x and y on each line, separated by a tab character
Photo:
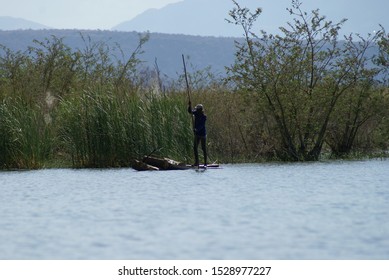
26	140
109	130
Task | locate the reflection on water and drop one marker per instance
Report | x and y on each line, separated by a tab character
335	210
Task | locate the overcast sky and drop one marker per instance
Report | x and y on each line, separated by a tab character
80	14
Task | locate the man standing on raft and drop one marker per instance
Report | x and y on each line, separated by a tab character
200	132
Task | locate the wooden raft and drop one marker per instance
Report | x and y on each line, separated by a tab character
150	163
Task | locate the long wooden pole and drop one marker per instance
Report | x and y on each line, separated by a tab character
186	78
188	89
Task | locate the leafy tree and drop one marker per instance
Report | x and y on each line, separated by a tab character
362	102
54	63
298	77
383	57
13	71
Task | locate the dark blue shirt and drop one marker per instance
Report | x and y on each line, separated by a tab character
199	122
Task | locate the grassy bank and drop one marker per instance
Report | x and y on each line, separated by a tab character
104	129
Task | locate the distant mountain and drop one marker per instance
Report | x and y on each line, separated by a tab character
166	48
11	23
190	17
207	17
216	52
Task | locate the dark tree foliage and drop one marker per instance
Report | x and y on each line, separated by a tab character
303	77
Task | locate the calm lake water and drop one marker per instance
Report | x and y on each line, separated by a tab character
328	210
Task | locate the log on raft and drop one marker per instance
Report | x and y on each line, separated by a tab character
164	163
141	166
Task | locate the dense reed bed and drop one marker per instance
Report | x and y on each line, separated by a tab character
94	129
26	140
103	129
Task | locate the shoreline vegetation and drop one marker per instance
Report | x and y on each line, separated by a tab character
301	96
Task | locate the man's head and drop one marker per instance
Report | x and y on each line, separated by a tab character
199	107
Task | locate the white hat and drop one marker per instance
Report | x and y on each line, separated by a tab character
199	107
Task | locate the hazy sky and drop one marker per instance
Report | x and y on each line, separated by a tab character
363	15
80	14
